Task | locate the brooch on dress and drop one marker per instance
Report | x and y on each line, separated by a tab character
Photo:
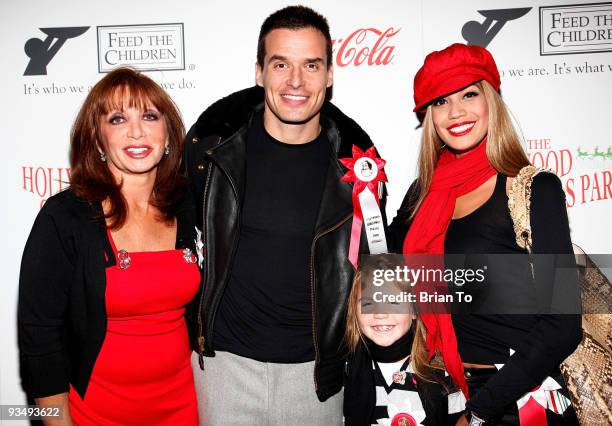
189	256
124	259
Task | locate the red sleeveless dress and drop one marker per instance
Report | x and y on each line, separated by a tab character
143	375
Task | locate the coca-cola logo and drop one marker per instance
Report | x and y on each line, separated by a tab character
365	46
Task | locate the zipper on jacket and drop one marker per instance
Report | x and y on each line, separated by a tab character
312	293
204	235
215	302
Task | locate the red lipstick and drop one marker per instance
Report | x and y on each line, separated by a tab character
137	152
461	129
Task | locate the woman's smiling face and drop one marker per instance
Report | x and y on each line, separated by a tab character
133	140
461	119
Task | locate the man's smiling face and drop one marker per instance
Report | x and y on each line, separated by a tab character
294	76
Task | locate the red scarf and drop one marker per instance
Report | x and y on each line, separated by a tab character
452	178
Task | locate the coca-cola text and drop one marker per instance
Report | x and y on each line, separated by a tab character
365	46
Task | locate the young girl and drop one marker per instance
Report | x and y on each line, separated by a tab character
390	380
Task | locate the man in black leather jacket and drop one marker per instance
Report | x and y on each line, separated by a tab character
275	221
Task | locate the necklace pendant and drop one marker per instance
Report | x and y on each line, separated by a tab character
399	377
124	259
189	256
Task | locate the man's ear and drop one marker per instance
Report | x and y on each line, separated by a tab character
330	76
258	75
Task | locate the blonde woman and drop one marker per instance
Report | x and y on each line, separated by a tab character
469	155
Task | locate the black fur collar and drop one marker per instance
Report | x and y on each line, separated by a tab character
229	114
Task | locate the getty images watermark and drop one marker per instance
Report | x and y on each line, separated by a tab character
491	284
428	278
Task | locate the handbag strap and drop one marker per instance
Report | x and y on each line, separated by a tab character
519	204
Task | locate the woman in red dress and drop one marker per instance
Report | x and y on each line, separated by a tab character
110	267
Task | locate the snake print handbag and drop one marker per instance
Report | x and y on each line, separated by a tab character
588	371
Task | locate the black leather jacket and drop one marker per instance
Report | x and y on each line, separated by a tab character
215	158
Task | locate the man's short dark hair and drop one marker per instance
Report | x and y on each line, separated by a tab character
293	18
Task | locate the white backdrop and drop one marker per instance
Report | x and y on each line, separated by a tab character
561	101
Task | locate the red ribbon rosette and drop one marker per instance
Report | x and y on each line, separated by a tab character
366	171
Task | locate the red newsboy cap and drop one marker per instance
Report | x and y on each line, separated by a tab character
449	70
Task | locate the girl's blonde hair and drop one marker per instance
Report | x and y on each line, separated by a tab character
504	149
421	364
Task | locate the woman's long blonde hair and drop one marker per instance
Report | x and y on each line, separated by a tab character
421	364
504	149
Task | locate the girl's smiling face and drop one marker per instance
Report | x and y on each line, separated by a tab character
384	329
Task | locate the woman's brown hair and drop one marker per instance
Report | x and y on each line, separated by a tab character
423	367
91	178
504	149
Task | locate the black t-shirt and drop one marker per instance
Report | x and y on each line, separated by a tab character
485	338
266	310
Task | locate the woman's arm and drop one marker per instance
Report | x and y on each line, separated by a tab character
60	400
555	335
44	285
396	232
558	333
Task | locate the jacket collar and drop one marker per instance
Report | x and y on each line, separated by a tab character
230	114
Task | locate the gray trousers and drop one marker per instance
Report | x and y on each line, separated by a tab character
233	390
